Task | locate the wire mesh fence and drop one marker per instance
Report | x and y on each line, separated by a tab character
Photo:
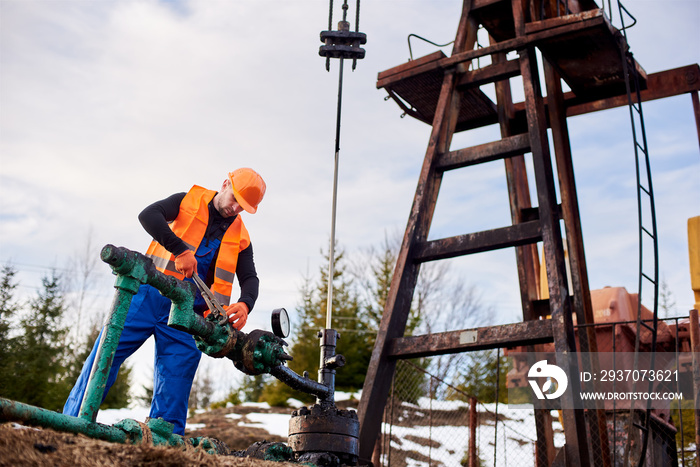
431	420
446	410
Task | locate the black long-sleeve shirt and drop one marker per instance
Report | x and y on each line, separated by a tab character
155	219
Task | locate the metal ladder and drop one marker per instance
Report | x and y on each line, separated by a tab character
647	226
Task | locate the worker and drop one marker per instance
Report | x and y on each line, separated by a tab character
201	232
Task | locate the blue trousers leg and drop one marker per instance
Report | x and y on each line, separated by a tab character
175	366
138	327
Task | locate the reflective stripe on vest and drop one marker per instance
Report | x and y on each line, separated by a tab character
190	226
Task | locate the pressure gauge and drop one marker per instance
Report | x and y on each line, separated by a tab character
280	323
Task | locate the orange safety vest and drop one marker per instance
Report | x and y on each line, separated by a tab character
190	225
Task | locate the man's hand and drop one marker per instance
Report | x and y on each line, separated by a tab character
237	314
186	263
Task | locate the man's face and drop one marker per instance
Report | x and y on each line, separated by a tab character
225	202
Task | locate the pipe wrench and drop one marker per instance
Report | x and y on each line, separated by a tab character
212	302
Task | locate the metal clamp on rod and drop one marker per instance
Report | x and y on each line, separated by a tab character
343	43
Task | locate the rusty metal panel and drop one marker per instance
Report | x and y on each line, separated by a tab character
489	337
506	147
408	70
582	47
487	240
663	84
421	92
589	60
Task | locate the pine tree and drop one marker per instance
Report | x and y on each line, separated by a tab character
349	319
376	283
8	346
359	298
374	275
252	387
118	396
276	393
484	378
40	354
37	366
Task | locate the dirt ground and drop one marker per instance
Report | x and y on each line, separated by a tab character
231	430
28	446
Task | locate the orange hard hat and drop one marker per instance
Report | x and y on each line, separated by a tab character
248	188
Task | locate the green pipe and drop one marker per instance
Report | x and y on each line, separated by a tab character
260	351
156	431
184	319
11	410
126	288
255	353
210	337
132	269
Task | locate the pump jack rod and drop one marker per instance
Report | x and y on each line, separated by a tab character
331	261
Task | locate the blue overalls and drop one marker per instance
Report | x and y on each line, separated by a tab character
176	356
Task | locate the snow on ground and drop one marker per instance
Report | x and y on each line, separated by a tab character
195	426
273	423
514	436
112	416
515	431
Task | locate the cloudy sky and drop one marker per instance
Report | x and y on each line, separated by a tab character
107	106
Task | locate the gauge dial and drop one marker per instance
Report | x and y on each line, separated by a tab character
280	323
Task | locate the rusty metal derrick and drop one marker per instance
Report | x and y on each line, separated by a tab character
580	47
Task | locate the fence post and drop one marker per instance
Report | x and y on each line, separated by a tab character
472	432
